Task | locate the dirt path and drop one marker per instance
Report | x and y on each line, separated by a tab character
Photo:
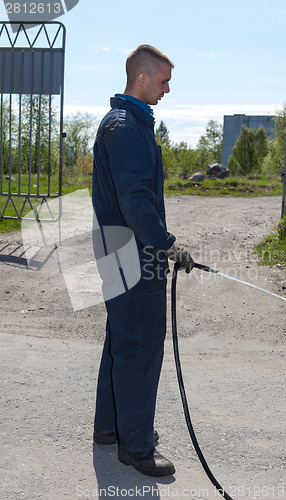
233	346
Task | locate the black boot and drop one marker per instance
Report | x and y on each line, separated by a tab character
150	463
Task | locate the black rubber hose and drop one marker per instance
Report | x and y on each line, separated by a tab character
182	388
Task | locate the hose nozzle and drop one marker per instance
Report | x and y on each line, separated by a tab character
205	268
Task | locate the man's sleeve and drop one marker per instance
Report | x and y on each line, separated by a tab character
133	170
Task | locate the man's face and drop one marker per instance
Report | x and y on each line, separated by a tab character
157	85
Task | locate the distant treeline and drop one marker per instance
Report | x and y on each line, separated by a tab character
253	152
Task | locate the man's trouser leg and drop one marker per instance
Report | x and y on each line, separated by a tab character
137	327
105	419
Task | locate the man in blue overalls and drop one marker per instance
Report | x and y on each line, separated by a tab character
128	192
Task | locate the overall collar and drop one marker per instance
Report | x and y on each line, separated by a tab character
136	101
137	111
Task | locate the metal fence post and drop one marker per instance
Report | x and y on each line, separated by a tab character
283	179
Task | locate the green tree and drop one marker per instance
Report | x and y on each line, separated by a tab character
178	159
209	147
248	152
186	159
214	137
204	155
162	135
274	159
80	133
39	135
9	137
261	144
4	138
168	155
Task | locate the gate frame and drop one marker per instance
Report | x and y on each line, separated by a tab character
43	197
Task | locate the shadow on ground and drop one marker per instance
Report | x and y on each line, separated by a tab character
118	480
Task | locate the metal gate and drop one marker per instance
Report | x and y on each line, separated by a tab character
31	118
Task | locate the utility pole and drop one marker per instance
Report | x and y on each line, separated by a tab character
283	179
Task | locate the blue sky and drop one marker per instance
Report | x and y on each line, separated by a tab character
229	57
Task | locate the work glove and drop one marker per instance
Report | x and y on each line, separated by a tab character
180	254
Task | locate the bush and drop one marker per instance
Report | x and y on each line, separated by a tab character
276	146
272	250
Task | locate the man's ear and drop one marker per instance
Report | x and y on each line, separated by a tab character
141	79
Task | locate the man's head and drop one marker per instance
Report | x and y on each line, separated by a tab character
148	74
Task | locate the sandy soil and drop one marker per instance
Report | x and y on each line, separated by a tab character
233	346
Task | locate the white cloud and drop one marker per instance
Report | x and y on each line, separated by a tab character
125	51
102	47
99	47
209	55
97	111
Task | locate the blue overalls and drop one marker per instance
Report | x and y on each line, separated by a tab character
128	192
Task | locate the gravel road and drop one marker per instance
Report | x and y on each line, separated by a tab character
232	345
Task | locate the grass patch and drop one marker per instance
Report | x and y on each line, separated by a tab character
252	185
272	250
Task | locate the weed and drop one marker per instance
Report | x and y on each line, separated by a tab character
272	250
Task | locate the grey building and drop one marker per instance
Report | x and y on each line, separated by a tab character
232	126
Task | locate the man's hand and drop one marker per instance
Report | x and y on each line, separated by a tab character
180	254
